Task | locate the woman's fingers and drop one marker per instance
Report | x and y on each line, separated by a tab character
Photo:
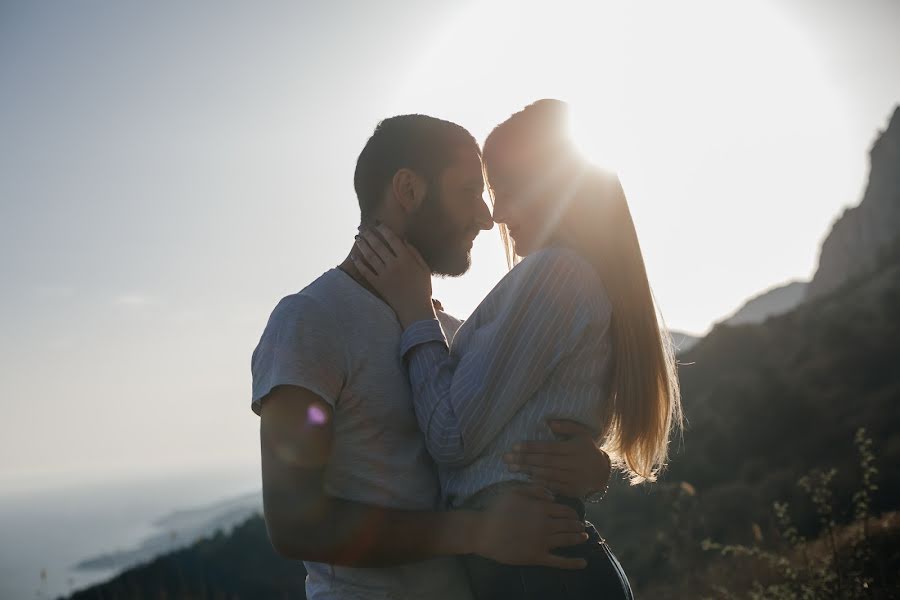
567	526
555	480
396	245
418	257
374	263
365	270
570	428
534	491
363	267
542	473
373	241
562	448
553	461
563	488
563	511
558	540
387	246
562	562
393	243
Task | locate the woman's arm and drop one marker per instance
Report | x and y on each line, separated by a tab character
462	402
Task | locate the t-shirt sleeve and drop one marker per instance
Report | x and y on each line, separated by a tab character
301	345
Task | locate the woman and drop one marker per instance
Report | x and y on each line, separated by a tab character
570	332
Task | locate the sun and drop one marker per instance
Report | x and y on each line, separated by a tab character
600	138
702	108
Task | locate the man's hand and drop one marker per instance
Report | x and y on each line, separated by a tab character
573	467
523	525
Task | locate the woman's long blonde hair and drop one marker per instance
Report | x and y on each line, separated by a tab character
644	404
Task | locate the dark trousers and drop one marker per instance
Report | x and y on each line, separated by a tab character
602	579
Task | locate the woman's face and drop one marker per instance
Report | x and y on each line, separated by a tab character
523	200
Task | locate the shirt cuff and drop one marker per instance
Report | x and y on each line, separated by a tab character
422	332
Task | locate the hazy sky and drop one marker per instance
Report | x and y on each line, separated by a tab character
169	170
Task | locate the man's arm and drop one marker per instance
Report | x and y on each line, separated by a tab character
304	523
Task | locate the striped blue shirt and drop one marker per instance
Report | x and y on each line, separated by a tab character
537	347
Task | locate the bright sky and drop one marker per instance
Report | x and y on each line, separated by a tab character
168	171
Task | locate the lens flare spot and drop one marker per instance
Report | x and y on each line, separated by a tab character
315	415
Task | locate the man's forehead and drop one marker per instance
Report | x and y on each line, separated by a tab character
466	166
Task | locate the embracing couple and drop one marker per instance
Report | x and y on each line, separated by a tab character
406	454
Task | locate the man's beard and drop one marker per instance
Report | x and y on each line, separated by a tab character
440	242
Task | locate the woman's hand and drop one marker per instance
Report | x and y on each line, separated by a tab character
573	467
523	525
397	272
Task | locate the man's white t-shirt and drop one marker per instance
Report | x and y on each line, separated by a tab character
338	340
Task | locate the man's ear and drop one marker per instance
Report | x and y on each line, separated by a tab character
409	188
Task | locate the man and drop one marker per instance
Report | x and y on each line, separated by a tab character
347	481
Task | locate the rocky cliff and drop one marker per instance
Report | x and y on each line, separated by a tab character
771	303
862	233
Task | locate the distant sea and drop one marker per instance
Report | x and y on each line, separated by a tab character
44	534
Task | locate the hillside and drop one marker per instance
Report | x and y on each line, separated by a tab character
241	564
178	529
766	404
683	341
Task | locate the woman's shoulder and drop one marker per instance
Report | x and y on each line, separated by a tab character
567	273
558	261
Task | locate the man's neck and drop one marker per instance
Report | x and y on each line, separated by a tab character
350	269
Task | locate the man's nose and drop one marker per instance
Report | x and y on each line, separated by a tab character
499	216
484	219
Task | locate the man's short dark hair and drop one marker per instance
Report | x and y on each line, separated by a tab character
424	144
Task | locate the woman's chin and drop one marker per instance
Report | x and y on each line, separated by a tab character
521	247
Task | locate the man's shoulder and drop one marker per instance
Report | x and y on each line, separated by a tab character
313	303
326	288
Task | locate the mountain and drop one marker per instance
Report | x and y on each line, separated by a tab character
683	341
241	564
856	241
862	233
775	301
770	303
180	529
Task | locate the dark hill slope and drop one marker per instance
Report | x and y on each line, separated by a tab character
241	565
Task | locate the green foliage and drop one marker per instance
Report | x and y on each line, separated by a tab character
801	570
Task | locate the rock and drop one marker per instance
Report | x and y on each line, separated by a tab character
775	301
863	233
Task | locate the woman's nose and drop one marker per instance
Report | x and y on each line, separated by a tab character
499	213
499	216
484	219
